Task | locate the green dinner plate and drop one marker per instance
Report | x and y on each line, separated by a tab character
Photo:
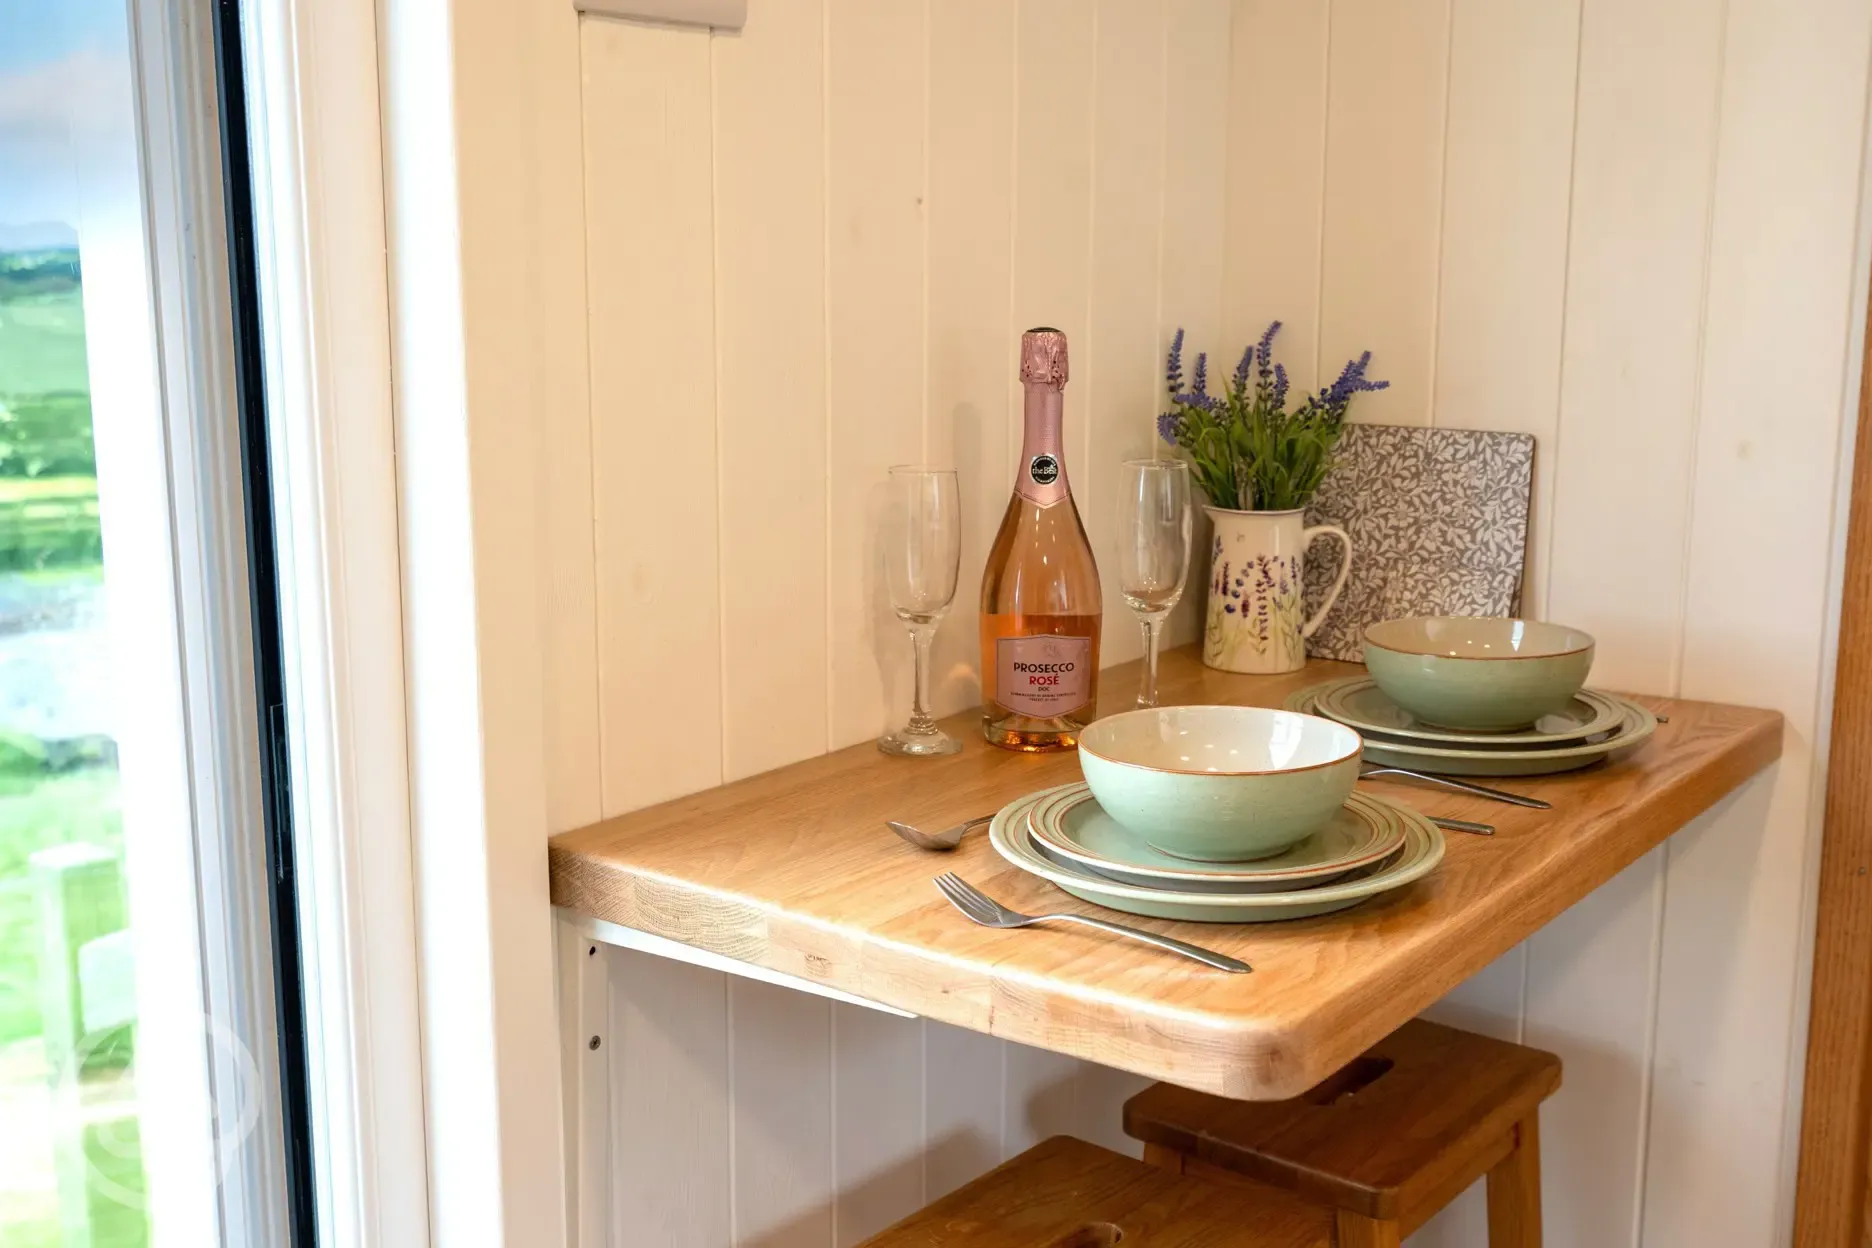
1422	850
1358	702
1636	726
1070	826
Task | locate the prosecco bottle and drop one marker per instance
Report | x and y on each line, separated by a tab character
1040	602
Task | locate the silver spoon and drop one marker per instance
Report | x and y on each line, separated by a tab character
948	838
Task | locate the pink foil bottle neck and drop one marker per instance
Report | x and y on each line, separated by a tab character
1043	357
1040	477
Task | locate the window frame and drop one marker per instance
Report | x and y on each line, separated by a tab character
317	176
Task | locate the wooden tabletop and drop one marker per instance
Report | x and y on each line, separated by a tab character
794	870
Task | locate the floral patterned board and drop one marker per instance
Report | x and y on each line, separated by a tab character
1439	521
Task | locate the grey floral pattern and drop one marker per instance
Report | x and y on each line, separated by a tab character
1438	520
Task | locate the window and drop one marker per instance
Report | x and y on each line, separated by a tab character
143	1015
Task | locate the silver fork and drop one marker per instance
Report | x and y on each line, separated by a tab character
978	907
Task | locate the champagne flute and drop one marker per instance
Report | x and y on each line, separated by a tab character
1154	520
922	547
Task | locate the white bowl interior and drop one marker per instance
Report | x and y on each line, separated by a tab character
1476	637
1219	740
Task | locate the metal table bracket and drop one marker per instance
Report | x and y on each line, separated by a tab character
609	933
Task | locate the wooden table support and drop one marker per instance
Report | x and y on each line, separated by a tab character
793	872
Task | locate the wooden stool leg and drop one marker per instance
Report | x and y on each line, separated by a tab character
1355	1230
1514	1209
1164	1158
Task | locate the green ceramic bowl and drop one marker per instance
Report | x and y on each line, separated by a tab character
1480	674
1219	783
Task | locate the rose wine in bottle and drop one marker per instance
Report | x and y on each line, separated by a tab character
1040	602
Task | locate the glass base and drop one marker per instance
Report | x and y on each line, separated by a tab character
910	743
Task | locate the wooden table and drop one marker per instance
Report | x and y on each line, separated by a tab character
793	871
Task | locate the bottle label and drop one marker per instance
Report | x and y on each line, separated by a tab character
1043	676
1043	469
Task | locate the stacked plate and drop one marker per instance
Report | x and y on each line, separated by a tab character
1372	846
1593	726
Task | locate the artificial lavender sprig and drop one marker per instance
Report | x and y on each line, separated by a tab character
1351	381
1246	450
1264	351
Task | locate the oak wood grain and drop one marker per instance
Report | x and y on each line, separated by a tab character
1514	1199
1395	1135
1833	1188
1065	1193
794	870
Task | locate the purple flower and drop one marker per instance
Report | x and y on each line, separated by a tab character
1167	427
1351	381
1173	370
1280	387
1265	350
1229	607
1241	369
1204	402
1199	386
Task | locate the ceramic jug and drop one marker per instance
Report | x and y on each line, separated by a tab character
1255	621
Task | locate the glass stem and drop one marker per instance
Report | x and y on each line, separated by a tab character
920	637
1147	695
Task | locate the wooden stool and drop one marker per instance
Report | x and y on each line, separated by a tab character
1066	1193
1385	1143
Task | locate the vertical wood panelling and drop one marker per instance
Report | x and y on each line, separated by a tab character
1508	167
648	224
971	337
1381	221
1118	368
875	68
1054	82
1780	287
1645	143
771	384
1725	1014
962	1096
1589	994
1276	173
670	1102
569	623
1040	1097
878	1124
780	1061
1193	271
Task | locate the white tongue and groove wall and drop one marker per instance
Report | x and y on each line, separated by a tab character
791	256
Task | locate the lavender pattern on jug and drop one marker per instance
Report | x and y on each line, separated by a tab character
1263	593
